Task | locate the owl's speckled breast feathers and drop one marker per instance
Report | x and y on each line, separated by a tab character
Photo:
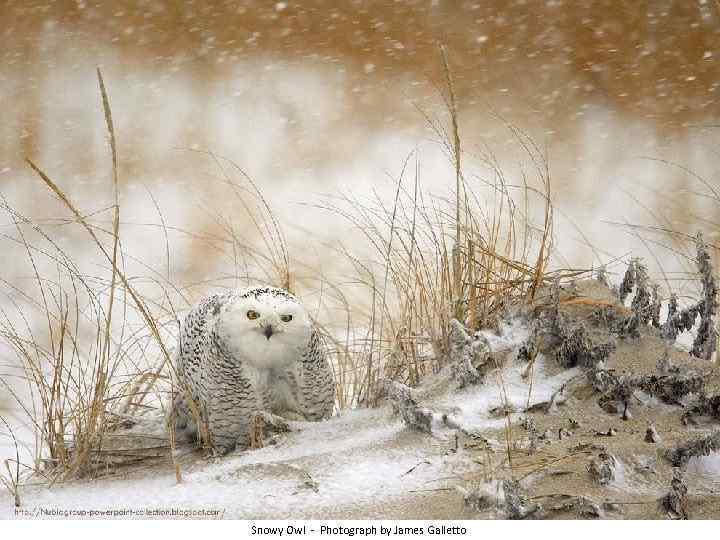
249	351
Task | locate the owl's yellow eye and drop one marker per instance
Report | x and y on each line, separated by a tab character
252	314
286	318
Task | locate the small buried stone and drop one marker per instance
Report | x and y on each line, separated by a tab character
611	432
602	468
651	434
563	434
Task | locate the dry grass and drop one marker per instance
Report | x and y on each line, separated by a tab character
104	350
429	267
79	373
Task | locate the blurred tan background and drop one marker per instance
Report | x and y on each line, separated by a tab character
311	97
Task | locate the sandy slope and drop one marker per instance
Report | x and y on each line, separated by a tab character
365	463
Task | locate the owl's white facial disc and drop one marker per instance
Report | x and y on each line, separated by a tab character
265	327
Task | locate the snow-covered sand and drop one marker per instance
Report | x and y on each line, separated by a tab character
359	459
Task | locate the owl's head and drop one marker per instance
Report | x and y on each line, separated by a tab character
265	326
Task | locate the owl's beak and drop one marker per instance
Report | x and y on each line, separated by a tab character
268	331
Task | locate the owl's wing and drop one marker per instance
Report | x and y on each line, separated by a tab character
194	339
316	385
191	359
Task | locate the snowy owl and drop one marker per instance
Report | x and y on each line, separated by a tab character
250	351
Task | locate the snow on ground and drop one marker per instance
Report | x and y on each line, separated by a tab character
474	405
358	458
707	467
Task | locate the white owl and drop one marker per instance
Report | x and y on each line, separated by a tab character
245	352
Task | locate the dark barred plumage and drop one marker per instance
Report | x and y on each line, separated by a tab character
259	291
